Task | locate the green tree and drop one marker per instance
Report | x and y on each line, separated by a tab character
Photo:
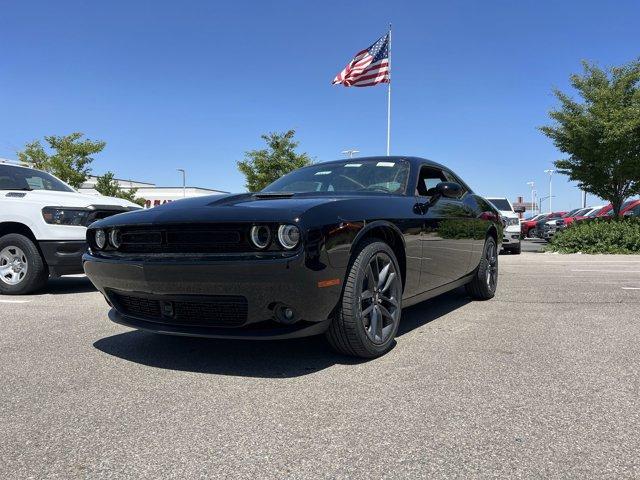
108	186
262	167
601	133
70	158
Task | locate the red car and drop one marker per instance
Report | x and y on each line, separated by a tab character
528	227
629	208
576	215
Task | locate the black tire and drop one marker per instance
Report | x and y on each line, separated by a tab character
348	333
21	280
483	287
517	250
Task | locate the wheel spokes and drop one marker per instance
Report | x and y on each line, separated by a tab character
376	323
379	298
390	300
386	286
383	275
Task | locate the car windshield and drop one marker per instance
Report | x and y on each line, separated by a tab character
571	213
348	176
501	204
18	178
595	212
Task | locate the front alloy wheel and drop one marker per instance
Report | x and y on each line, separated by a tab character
367	318
13	265
379	307
22	269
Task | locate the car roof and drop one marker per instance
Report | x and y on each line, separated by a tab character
414	161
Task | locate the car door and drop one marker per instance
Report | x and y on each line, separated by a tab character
448	237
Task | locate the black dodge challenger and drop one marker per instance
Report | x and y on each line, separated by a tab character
336	248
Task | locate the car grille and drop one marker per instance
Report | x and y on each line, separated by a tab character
185	239
206	311
96	215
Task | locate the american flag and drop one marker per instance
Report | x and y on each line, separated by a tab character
369	67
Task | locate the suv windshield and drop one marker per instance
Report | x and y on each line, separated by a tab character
19	178
501	204
348	176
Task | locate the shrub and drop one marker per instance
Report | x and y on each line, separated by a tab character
600	235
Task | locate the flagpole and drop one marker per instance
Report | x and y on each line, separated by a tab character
389	100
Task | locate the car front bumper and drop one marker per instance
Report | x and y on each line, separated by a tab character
217	298
63	257
511	237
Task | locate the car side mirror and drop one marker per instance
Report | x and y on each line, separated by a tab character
448	189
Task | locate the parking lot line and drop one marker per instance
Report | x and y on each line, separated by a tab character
606	271
15	301
631	288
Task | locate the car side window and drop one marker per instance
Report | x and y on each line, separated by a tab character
428	179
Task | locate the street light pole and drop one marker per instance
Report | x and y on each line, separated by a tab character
533	202
184	182
350	153
550	172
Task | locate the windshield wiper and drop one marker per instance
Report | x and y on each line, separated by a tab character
22	189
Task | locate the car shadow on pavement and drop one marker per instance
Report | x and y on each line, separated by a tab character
262	359
67	285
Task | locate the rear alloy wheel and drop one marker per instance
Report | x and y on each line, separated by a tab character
21	267
369	313
484	282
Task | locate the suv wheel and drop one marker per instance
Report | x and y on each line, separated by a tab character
368	315
22	269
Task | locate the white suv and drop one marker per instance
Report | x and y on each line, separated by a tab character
43	227
511	235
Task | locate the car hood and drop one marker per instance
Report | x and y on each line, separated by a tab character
223	208
48	198
508	214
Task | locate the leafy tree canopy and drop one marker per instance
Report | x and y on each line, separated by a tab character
70	156
262	167
108	186
601	133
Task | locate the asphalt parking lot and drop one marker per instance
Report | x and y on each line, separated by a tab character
542	381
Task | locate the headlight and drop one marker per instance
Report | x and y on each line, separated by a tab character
115	237
65	216
100	238
260	236
288	236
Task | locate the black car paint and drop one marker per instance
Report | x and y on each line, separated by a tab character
438	241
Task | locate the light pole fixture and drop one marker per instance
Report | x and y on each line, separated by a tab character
533	201
550	172
350	153
184	182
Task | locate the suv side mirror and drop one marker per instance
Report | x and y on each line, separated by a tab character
520	209
448	189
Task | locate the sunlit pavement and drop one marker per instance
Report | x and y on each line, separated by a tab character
541	381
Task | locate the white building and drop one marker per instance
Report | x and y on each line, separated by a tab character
152	194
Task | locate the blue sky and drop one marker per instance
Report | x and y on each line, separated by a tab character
193	84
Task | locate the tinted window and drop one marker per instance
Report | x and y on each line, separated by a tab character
17	178
348	176
501	204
